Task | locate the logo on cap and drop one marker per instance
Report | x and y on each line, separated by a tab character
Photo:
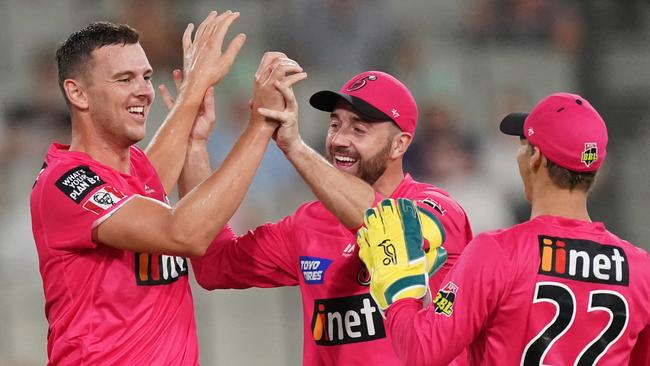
360	83
590	154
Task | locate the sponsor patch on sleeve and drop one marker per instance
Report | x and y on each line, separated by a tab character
78	182
444	301
313	269
104	198
435	205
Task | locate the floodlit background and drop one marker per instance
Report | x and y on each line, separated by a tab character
467	62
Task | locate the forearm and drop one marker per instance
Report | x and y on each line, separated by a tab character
416	338
167	149
400	318
345	195
244	261
217	198
196	167
143	224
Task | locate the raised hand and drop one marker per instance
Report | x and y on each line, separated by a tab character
288	134
206	117
274	66
204	63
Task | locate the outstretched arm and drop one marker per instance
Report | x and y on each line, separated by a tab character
345	195
146	225
196	167
273	65
142	224
204	66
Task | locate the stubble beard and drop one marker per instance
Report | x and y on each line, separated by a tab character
371	169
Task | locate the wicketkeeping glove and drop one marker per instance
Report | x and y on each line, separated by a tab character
391	246
433	234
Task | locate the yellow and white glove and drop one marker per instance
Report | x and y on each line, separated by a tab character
391	246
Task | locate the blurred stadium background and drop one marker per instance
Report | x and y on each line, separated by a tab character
467	62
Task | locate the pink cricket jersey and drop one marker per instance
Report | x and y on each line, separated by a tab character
106	306
312	249
550	291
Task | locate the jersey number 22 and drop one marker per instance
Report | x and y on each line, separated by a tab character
565	302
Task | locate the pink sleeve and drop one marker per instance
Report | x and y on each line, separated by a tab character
75	200
260	258
471	292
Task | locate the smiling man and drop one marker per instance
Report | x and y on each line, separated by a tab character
371	124
111	250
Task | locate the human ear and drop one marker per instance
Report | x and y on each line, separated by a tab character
76	94
401	143
536	159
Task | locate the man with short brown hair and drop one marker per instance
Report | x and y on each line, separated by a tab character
111	249
558	289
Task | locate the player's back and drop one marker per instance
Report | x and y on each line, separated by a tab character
578	295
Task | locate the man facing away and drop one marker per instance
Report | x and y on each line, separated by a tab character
371	124
111	249
558	289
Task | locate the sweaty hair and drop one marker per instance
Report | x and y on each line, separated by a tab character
73	55
566	178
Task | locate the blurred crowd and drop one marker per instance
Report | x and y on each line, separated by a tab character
467	62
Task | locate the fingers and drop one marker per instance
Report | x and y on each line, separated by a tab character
364	248
234	47
224	24
411	227
215	25
177	75
285	88
407	207
166	96
282	67
372	218
187	47
279	68
435	259
279	116
292	79
288	95
187	37
207	22
386	207
433	232
267	59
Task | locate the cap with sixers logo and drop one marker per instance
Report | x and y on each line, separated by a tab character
377	96
565	128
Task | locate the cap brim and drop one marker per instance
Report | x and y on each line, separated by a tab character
326	100
513	124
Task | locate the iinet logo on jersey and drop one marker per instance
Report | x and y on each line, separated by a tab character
346	320
583	260
158	269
